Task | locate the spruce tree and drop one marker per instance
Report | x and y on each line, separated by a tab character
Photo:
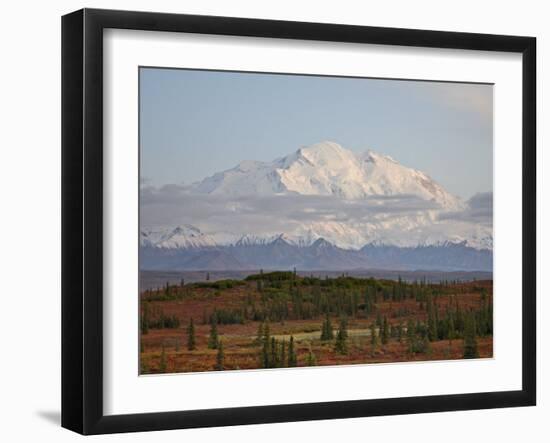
213	337
267	334
274	356
327	332
400	332
490	318
483	295
344	327
145	319
373	336
341	345
191	342
220	357
260	334
432	321
451	326
426	348
311	360
411	333
470	341
265	353
143	366
459	319
292	358
163	364
378	319
385	332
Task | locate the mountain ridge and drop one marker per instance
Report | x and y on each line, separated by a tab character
175	238
280	254
327	168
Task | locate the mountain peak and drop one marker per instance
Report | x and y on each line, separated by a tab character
327	168
324	147
281	239
373	157
324	153
249	165
182	236
321	243
186	229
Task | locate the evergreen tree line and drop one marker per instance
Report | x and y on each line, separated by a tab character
295	304
419	334
214	342
180	291
452	324
332	296
164	322
388	290
340	337
228	316
275	353
156	320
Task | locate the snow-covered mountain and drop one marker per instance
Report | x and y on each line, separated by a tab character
350	238
320	255
180	237
328	169
321	207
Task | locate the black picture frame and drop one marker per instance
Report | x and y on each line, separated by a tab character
82	219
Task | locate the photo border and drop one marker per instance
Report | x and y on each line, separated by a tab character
82	220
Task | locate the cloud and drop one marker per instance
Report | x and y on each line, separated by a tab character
173	205
466	97
479	209
404	220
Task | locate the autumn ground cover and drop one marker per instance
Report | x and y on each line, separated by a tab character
280	319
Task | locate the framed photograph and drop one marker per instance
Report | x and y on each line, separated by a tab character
268	221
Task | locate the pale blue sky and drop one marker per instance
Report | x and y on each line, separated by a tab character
196	123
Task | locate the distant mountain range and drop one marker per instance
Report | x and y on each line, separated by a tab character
320	255
431	232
